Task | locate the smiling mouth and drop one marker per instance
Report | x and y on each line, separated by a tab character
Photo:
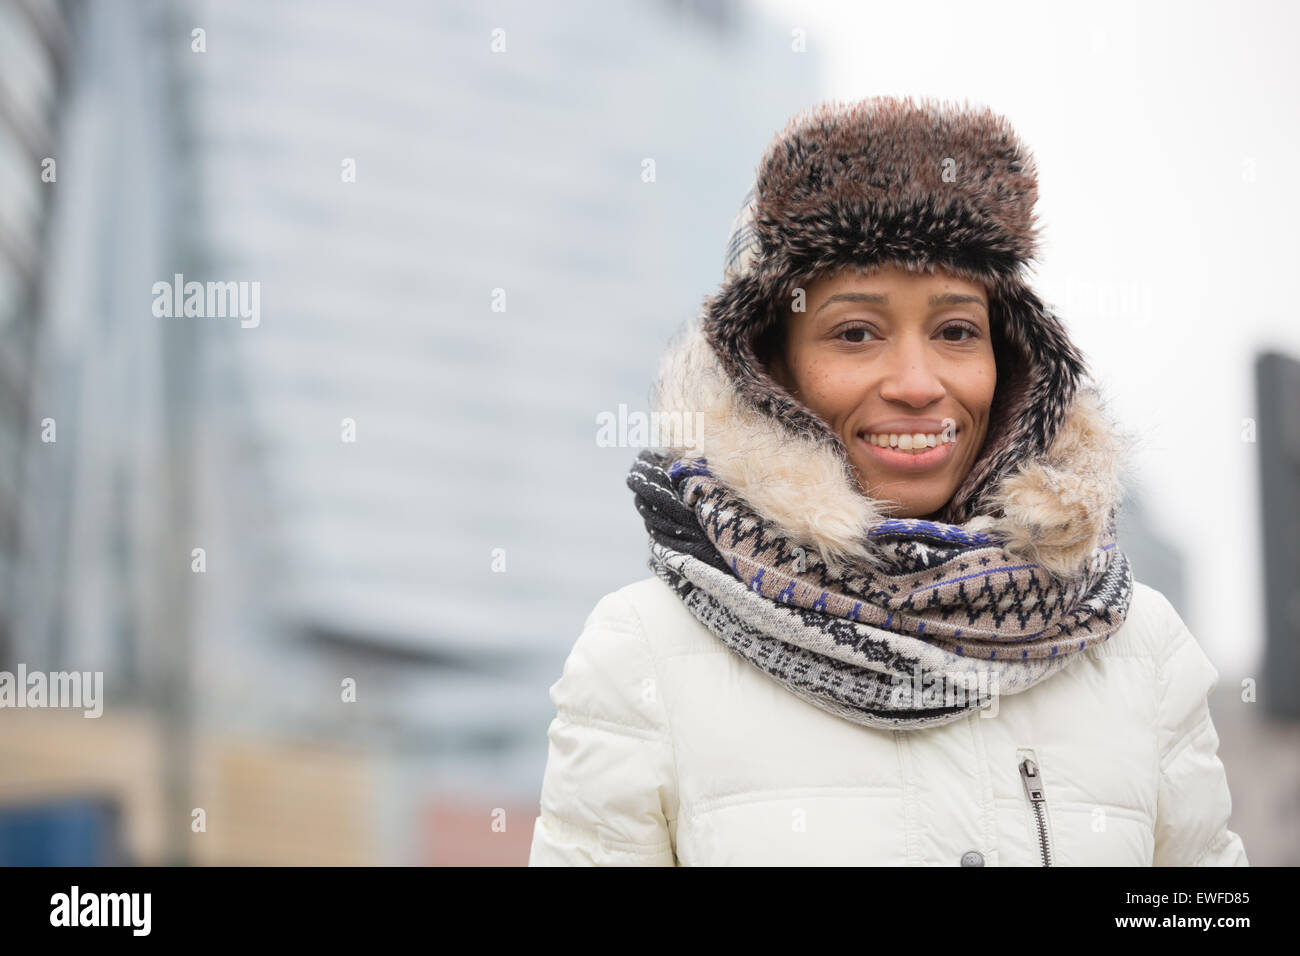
920	454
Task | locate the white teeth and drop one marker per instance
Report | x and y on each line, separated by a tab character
916	441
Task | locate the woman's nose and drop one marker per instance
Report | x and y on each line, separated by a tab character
910	377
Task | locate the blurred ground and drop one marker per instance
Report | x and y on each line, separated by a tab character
1262	760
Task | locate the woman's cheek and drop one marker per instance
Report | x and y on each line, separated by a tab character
838	379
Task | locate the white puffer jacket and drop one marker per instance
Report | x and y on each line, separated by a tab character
669	749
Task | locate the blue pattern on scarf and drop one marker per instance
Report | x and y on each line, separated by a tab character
917	527
689	468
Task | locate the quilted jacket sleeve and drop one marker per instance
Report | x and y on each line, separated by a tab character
609	793
1193	804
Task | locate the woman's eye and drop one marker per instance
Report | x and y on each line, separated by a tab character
957	328
859	334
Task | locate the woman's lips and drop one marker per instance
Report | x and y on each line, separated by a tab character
910	461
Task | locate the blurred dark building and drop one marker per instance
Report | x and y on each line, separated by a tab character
1277	397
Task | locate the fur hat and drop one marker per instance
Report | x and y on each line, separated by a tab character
917	184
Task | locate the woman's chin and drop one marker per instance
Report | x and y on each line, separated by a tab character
919	502
924	513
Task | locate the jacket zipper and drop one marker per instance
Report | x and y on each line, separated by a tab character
1037	801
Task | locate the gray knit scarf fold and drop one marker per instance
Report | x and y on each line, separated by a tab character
941	625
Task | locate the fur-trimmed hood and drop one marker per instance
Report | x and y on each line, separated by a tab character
1053	510
921	185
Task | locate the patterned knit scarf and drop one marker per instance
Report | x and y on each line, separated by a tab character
943	623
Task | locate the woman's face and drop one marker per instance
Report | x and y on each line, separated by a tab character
894	361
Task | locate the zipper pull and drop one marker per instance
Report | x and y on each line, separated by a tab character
1034	790
1033	782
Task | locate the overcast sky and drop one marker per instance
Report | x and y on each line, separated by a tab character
1165	136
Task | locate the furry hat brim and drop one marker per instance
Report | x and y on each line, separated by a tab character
923	185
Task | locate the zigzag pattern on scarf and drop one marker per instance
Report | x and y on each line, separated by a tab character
956	587
862	643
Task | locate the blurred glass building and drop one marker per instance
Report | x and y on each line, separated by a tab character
1156	561
330	542
33	51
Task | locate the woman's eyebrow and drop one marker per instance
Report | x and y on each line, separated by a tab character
875	298
955	298
871	298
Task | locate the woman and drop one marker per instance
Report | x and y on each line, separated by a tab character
889	622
